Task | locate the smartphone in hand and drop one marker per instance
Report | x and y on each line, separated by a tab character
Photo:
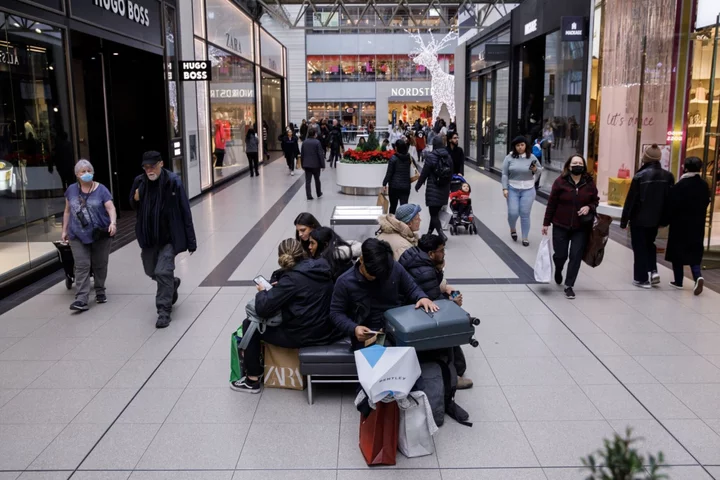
262	281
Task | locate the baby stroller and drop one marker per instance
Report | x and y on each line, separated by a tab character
462	213
67	261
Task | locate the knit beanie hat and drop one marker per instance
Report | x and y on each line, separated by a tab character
518	139
652	154
405	213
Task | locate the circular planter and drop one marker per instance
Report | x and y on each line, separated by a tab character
361	179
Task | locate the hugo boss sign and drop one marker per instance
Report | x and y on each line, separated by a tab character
195	71
127	9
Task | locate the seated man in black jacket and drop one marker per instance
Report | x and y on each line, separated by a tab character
302	297
425	264
375	284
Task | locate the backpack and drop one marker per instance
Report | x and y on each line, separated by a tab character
444	169
257	323
438	379
537	151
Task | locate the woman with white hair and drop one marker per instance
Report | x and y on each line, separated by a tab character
89	223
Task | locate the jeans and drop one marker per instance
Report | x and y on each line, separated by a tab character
564	239
92	257
678	271
435	223
520	204
397	196
253	161
273	335
159	264
644	251
309	174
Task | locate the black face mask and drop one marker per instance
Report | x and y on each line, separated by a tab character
577	170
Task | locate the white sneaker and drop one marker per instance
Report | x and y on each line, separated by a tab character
292	173
699	284
655	278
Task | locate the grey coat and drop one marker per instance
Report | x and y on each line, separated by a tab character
251	145
312	153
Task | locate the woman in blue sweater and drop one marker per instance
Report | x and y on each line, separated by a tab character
518	184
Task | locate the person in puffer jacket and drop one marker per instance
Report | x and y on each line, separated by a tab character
399	230
437	190
398	176
425	265
340	255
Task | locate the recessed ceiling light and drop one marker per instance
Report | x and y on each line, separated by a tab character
38	30
16	24
51	67
55	109
92	58
116	54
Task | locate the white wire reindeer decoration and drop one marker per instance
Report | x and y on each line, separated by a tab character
442	86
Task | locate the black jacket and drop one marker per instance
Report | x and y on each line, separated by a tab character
418	264
458	158
689	199
358	301
303	131
435	195
303	295
290	146
398	172
175	205
313	154
647	201
336	140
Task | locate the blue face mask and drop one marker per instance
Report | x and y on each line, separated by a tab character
86	177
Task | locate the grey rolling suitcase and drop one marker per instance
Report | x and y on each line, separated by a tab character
451	326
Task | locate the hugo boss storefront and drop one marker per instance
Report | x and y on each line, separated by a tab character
90	79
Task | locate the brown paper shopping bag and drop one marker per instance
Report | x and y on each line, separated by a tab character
379	434
382	201
282	368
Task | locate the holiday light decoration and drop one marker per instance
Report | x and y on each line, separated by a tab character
442	86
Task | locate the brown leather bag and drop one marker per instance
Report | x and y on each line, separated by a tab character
379	434
595	249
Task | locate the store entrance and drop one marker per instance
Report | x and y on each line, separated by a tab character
120	98
409	111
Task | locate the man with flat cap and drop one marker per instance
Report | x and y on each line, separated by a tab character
164	229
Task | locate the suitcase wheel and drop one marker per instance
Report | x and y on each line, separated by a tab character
68	282
475	321
474	343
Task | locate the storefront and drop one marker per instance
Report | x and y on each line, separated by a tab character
247	91
549	77
94	82
488	91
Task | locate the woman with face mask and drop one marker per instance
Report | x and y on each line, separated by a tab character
571	210
89	223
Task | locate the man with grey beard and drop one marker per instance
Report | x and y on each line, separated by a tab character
164	228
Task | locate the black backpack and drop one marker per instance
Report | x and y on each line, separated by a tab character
444	169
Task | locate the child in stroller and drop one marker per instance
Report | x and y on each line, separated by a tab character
461	206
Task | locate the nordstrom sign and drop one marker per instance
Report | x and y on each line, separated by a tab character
410	92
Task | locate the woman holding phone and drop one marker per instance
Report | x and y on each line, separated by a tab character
302	297
518	184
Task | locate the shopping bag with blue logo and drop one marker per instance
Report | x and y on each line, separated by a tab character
384	371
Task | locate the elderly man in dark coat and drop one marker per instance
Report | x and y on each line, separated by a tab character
689	200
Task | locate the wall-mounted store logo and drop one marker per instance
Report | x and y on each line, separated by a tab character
350	110
531	27
9	58
126	9
232	93
410	92
572	28
195	71
233	43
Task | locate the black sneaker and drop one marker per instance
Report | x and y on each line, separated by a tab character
163	321
101	298
558	277
644	284
79	306
175	291
675	285
246	385
655	278
320	195
699	284
569	293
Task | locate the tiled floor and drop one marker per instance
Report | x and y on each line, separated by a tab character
104	395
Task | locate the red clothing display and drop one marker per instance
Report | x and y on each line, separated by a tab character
219	135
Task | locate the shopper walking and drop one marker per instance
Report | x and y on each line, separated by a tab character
164	229
518	184
266	151
336	144
689	200
89	223
313	161
437	171
290	149
571	211
251	150
398	176
456	153
303	130
646	208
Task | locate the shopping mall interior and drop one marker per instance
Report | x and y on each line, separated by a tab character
188	291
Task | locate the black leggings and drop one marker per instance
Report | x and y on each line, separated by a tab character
290	163
253	161
435	223
252	361
397	195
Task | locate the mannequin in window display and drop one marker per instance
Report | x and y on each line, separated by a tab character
228	136
219	141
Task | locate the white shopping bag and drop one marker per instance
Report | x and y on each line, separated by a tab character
384	371
417	426
543	262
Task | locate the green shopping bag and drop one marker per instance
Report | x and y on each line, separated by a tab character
236	372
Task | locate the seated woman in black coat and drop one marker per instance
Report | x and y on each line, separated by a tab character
340	255
302	296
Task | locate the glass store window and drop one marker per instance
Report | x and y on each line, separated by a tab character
232	110
315	71
36	154
473	119
368	113
348	64
272	108
366	68
384	67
